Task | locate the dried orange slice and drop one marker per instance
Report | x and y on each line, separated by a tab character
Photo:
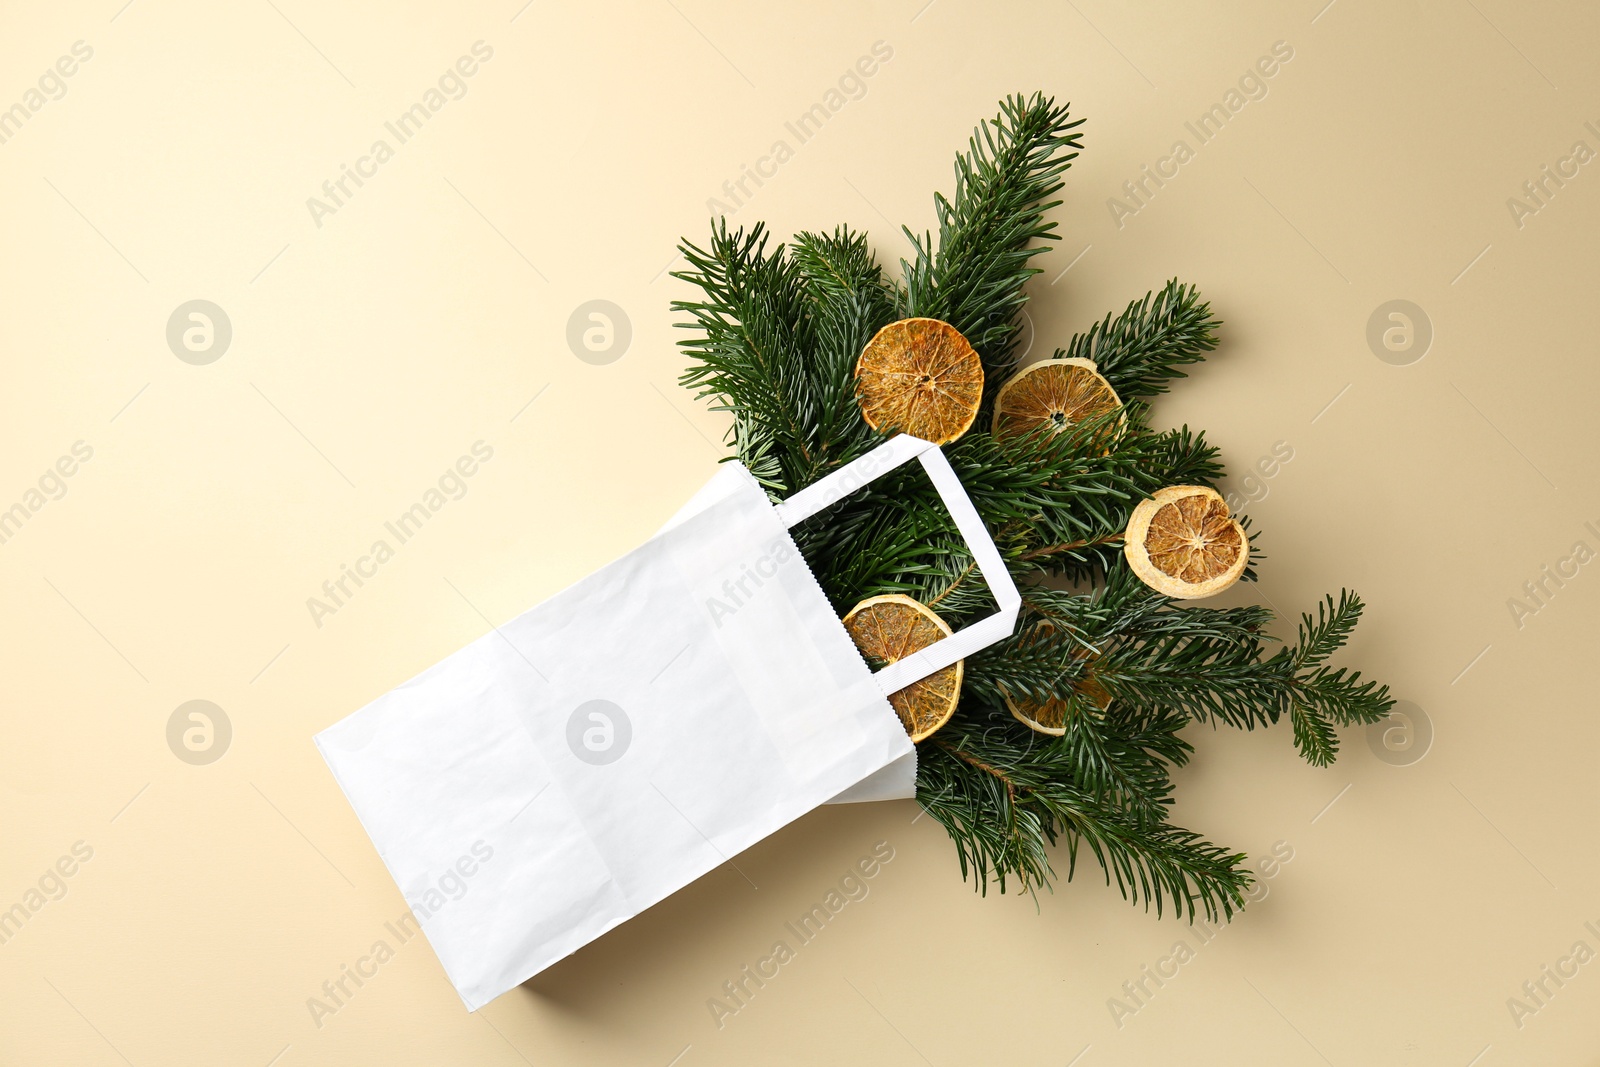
1054	393
921	377
890	628
1183	543
1050	717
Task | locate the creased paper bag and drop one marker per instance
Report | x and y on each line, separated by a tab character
643	726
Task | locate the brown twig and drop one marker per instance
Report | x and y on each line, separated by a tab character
989	768
952	586
1070	546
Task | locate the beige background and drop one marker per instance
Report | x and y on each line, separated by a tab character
428	311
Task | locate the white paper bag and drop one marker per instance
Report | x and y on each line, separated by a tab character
561	774
897	781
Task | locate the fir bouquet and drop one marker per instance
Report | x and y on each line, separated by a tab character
1067	731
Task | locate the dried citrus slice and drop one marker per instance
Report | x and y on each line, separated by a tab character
890	628
1054	393
1050	717
921	377
1183	543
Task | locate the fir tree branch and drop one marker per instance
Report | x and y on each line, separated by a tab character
1072	546
775	335
1313	736
974	278
1326	634
1023	797
966	572
1140	351
1320	697
1123	771
753	345
850	302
